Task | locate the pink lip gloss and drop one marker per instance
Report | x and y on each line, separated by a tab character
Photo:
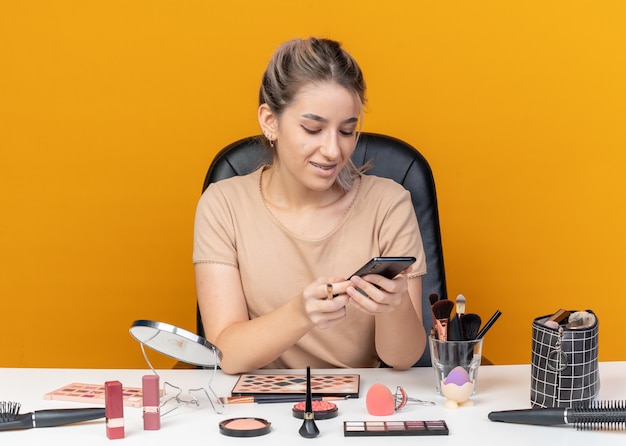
151	403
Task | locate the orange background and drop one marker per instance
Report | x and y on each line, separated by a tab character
111	111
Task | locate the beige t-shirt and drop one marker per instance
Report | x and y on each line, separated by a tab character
233	226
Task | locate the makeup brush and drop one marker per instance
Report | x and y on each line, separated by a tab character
490	322
309	428
595	416
268	399
455	332
460	305
433	297
10	417
442	309
470	324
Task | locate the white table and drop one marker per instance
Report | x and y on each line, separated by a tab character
499	388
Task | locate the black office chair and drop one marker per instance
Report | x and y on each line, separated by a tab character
389	157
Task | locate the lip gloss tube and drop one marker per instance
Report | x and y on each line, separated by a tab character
151	403
114	409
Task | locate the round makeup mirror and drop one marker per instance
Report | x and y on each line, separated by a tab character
176	343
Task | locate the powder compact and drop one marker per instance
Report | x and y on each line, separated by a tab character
322	410
245	427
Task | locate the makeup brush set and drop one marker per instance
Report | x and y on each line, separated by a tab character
460	326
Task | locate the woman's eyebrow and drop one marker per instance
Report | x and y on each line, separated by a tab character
318	118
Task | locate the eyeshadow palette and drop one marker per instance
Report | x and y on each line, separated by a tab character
94	394
394	428
343	385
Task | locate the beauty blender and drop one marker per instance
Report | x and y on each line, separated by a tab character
380	401
458	376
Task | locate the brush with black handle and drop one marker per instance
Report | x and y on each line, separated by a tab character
597	415
309	428
10	417
455	331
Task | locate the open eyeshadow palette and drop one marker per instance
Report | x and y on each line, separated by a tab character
341	385
94	394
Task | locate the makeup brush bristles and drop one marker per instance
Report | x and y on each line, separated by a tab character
442	309
460	304
433	297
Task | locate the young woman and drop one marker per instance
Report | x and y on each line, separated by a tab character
270	246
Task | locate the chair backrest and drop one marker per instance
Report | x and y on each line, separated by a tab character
389	157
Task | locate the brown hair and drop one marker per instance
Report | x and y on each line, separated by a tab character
300	62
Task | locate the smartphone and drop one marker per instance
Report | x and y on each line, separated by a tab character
388	267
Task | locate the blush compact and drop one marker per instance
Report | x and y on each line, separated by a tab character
322	410
245	427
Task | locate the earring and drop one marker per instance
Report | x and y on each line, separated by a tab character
269	139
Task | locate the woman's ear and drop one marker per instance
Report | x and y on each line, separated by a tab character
267	121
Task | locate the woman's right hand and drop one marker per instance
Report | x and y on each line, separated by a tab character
322	311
